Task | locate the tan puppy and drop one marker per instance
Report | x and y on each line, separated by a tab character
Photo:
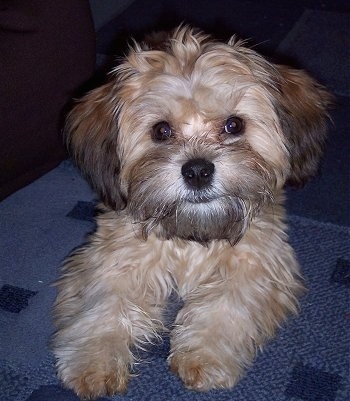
189	145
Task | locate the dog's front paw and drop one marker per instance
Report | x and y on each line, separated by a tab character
91	377
203	372
93	383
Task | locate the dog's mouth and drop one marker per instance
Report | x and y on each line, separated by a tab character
198	216
200	197
203	218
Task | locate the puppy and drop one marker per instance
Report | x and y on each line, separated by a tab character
189	145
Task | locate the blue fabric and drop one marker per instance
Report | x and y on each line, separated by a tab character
83	211
56	393
341	272
310	384
319	43
14	299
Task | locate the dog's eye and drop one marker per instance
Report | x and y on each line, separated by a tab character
234	125
161	131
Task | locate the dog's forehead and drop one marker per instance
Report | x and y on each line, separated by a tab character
197	103
208	87
191	96
194	104
196	96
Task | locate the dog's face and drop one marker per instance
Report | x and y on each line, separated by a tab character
195	137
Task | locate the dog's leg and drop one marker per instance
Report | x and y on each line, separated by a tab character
105	307
227	318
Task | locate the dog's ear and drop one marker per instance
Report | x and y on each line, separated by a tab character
303	114
91	135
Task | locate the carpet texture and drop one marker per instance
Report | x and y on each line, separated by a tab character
307	361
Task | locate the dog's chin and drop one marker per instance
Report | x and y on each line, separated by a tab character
200	219
199	198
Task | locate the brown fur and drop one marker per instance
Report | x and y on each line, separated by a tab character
223	247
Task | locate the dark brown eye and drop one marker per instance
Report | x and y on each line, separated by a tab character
234	126
161	131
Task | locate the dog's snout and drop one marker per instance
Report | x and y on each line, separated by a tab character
198	173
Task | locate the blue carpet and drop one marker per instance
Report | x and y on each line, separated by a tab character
40	224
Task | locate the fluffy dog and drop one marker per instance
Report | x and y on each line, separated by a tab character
190	145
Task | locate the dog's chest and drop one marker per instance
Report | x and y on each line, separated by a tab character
191	264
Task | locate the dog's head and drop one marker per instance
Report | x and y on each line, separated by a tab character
194	136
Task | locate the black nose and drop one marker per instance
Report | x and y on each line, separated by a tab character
198	173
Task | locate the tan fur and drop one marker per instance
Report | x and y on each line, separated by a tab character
222	247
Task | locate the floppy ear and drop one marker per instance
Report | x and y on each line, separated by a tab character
303	117
91	134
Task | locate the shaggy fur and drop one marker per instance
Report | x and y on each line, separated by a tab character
189	145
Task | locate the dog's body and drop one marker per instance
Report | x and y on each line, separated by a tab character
190	146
